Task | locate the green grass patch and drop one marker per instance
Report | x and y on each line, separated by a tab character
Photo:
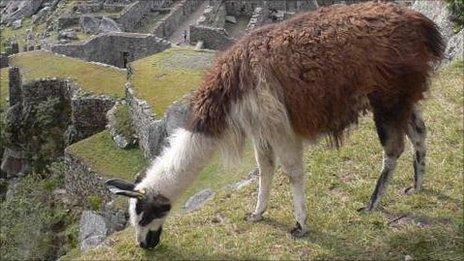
166	77
425	226
4	88
103	156
91	77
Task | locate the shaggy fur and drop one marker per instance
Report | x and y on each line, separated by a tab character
308	77
326	67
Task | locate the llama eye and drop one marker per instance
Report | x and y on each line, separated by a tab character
138	207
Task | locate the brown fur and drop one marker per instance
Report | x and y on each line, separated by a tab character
330	65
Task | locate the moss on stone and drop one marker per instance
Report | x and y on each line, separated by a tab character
166	77
92	77
103	156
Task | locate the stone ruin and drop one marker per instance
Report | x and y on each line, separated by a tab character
81	115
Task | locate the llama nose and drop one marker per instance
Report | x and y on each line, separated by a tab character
143	245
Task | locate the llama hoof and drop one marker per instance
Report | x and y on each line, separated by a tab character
365	210
411	190
252	218
298	231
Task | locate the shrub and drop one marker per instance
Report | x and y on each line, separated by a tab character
31	220
123	121
95	202
456	8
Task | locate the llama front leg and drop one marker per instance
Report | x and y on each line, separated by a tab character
265	160
291	158
416	133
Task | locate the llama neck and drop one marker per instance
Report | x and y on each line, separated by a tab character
179	164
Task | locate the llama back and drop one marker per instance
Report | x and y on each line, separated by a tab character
316	73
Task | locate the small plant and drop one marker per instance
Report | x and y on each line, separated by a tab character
456	9
123	121
95	202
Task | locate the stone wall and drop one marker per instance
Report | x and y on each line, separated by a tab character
132	15
81	116
179	14
89	115
4	60
214	15
438	12
246	8
66	22
152	131
14	85
259	17
83	182
212	38
149	129
114	48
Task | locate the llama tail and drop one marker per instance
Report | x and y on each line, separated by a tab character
434	39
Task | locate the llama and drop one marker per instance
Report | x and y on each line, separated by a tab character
309	77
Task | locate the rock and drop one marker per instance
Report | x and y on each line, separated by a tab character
120	141
176	115
15	10
63	41
68	35
13	163
231	19
40	16
408	258
89	24
115	220
198	200
108	25
438	12
17	24
252	177
92	230
455	47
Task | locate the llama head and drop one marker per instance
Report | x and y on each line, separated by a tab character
147	211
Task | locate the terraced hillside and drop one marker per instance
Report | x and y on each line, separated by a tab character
427	225
92	77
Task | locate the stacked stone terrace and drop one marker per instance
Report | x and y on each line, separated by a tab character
225	21
126	30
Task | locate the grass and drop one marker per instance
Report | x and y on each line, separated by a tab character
91	77
4	89
103	156
427	225
166	77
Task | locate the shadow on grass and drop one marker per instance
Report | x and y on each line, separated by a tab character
420	236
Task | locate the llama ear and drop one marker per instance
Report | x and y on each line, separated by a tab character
124	188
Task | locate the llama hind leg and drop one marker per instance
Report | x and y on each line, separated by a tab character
265	160
291	158
416	133
392	140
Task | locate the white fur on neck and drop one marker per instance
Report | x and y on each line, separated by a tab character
179	164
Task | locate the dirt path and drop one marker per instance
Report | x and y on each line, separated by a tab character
177	37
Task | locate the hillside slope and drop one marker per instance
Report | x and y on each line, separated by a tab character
427	225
